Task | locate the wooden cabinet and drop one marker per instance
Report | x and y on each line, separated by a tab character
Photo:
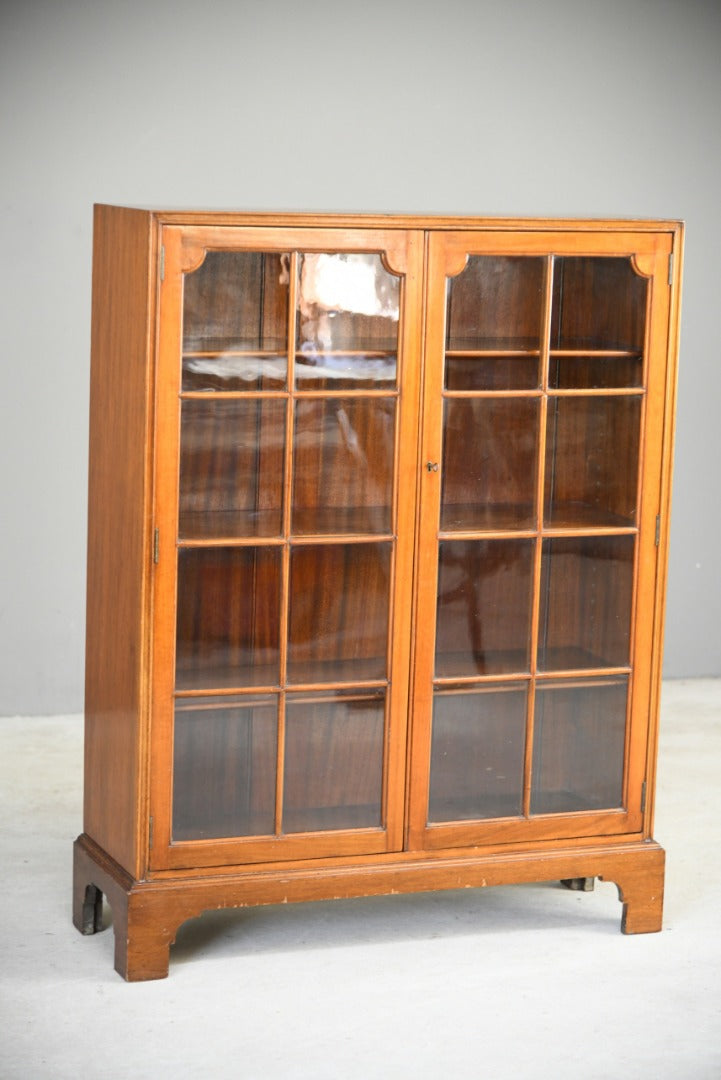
378	529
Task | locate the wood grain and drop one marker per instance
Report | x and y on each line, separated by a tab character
303	644
119	490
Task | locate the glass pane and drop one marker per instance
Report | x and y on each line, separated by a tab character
579	739
224	761
592	461
595	372
339	596
489	463
347	326
231	468
586	590
235	322
477	752
516	372
484	607
228	622
598	303
343	473
333	761
496	302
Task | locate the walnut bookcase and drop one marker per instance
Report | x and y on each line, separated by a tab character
377	543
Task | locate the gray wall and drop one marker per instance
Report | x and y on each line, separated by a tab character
563	107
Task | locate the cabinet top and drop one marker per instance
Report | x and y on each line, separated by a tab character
396	221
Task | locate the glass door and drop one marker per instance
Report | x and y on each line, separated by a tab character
537	536
285	549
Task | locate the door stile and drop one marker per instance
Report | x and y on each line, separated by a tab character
429	502
167	437
285	528
404	517
648	637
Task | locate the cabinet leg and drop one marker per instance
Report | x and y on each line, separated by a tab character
143	927
640	889
142	948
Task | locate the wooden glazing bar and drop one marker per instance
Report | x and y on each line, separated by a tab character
280	766
301	697
294	688
488	534
596	353
299	541
492	393
234	541
373	354
488	686
538	552
339	684
471	680
350	393
221	702
285	560
216	354
582	676
230	395
481	354
615	391
341	538
589	530
547	533
228	691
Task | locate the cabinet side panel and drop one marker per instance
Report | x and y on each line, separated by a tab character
118	532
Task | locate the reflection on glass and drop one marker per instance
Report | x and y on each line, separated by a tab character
586	589
343	473
228	621
592	461
235	322
477	752
347	322
484	607
224	762
598	303
496	303
339	596
579	739
333	761
489	463
231	467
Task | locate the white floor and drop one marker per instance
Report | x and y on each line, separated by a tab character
524	982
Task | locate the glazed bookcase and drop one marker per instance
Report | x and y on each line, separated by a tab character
377	543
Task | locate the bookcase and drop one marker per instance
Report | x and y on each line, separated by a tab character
377	541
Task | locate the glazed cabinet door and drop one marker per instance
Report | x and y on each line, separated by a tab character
287	400
545	382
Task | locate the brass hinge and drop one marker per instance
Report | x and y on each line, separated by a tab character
150	833
643	797
162	263
156	546
658	529
670	269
